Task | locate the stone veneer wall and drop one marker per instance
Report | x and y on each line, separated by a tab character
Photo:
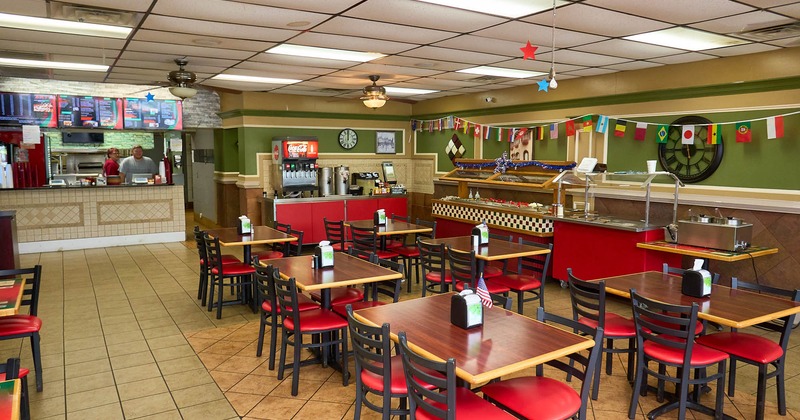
95	216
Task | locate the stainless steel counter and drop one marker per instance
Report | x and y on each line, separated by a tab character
330	198
604	221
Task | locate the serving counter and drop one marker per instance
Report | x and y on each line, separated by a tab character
65	218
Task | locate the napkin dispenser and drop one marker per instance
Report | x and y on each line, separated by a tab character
480	235
466	310
323	255
696	282
244	226
380	217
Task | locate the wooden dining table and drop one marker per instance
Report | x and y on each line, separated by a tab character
495	250
392	227
11	291
10	395
506	342
347	270
730	307
261	235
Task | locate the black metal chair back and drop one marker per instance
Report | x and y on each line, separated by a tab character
432	259
334	232
294	248
432	225
422	373
364	239
463	267
33	281
389	288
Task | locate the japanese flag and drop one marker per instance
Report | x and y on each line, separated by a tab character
687	134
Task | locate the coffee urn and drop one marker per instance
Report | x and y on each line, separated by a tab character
341	179
325	179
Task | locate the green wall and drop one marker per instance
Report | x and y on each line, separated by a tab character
762	163
436	142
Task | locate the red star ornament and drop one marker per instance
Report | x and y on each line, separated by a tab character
529	51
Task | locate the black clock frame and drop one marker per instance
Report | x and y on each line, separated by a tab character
338	138
666	154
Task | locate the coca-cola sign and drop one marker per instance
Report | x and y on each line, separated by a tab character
300	149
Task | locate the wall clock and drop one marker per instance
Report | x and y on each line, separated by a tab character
348	138
690	162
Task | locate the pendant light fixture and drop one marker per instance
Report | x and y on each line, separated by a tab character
552	75
374	95
181	79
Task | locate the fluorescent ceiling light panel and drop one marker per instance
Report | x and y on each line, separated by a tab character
407	91
506	8
686	39
15	62
501	72
253	79
63	26
327	53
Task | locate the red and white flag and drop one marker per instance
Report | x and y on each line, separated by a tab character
687	134
483	293
775	127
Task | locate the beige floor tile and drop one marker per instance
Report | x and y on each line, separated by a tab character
48	407
243	403
240	364
255	384
219	409
159	332
149	405
226	347
136	373
319	410
173	340
170	353
181	364
278	408
116	338
131	347
87	368
199	344
334	392
226	380
167	415
188	378
89	382
89	399
305	389
143	388
84	343
104	412
212	361
163	321
133	359
86	355
197	395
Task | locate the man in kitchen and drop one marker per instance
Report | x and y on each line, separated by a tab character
111	166
136	163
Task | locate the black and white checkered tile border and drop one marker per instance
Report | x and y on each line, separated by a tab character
493	217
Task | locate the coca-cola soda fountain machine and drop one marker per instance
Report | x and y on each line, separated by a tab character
295	165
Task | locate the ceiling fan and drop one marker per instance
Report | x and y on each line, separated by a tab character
181	80
374	95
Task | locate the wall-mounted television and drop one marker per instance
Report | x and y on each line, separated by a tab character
158	114
80	137
27	109
89	112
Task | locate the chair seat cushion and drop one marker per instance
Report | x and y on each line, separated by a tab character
226	259
337	246
397	384
387	255
491	286
535	397
469	406
518	281
701	355
341	295
23	372
407	251
19	324
436	277
392	244
317	320
744	346
304	303
235	269
269	255
699	327
615	326
341	309
490	271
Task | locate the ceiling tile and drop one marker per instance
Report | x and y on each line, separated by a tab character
591	72
415	14
456	56
342	25
234	12
627	49
742	23
741	49
792	10
520	32
683	58
186	50
378	68
350	43
787	42
597	21
581	58
206	29
486	45
767	3
633	65
327	6
189	40
679	12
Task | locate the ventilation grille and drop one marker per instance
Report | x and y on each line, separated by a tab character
92	15
771	33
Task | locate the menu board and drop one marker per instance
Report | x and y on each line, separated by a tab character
27	109
89	112
157	114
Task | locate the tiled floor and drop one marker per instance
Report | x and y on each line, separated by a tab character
124	337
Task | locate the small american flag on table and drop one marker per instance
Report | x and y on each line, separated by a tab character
483	293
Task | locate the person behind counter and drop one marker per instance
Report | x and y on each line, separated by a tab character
136	163
111	167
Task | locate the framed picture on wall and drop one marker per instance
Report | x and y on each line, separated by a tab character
385	142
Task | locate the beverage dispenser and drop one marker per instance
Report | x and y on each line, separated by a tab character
295	160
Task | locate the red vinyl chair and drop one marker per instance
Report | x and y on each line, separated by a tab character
543	397
388	288
26	325
589	308
756	349
341	296
367	240
335	234
265	293
490	271
530	276
205	271
11	370
277	250
240	276
463	268
329	329
432	260
409	254
432	390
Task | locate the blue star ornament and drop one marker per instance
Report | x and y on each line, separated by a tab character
150	96
543	85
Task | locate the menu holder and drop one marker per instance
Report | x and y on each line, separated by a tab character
480	235
696	282
380	217
323	255
466	310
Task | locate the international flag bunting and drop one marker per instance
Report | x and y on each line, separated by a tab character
662	134
414	125
553	131
743	133
483	293
641	131
713	134
602	124
587	123
477	131
619	128
430	126
775	127
570	128
457	124
466	127
540	133
687	134
487	132
450	122
499	134
511	134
